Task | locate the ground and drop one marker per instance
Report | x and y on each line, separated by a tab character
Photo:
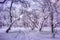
25	34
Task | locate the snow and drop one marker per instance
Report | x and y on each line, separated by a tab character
20	33
27	34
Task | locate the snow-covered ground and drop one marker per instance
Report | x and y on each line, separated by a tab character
27	34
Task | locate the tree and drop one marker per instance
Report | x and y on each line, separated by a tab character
23	3
3	1
51	9
45	6
10	16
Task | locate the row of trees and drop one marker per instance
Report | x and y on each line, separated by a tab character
38	17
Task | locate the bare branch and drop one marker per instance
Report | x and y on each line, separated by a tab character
2	2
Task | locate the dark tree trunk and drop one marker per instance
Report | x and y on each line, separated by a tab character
10	18
51	15
52	25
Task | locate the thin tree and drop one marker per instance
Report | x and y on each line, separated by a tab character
10	17
23	2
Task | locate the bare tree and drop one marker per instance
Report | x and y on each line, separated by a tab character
10	16
47	4
3	1
51	9
12	1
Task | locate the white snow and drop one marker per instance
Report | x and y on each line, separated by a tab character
27	34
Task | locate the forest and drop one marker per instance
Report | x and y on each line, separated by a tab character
29	19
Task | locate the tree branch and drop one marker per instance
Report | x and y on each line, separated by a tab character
2	2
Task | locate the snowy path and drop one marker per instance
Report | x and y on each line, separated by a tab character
28	35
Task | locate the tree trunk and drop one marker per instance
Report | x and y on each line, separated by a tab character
10	18
52	25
